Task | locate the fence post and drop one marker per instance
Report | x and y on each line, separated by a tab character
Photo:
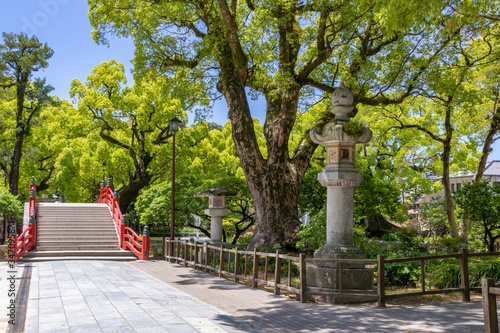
195	255
303	281
164	248
422	274
221	260
236	265
489	306
206	257
381	280
341	287
464	270
255	270
277	273
178	252
266	268
185	254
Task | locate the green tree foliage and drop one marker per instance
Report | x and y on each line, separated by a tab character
483	203
135	120
20	57
9	205
433	218
154	206
288	51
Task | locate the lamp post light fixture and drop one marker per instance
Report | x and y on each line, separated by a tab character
174	127
5	161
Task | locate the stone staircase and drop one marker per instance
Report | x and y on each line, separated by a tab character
70	231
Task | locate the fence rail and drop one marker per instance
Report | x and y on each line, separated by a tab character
280	271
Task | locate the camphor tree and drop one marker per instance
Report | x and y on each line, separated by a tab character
20	57
289	52
134	120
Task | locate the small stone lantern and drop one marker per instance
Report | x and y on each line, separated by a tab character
216	210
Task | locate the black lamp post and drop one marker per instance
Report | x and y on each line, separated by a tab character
174	127
5	161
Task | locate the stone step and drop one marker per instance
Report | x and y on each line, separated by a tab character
74	218
37	259
76	247
81	241
81	253
82	232
77	240
76	224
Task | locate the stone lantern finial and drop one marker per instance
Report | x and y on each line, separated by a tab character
342	100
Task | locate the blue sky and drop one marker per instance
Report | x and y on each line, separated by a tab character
64	26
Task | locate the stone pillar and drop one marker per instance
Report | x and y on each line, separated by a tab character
340	177
216	210
216	215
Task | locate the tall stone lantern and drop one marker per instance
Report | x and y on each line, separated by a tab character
340	177
216	210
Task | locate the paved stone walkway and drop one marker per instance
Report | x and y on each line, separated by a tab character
106	296
271	313
157	296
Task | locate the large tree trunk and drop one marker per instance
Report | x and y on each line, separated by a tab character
275	200
20	131
129	193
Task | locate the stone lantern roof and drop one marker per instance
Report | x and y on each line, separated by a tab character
217	192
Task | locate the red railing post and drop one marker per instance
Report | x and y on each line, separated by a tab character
122	234
109	192
102	193
32	228
145	244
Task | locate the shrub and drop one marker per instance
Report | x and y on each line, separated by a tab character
404	274
447	273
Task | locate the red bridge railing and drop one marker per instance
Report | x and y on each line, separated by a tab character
129	240
26	241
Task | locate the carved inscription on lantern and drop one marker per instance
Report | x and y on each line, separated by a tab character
216	202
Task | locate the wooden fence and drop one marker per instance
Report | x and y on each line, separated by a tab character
490	291
253	266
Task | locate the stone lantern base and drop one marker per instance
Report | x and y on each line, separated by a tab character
324	278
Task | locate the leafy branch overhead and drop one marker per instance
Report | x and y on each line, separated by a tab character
292	53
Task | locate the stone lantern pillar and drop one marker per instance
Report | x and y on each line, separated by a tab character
216	210
340	177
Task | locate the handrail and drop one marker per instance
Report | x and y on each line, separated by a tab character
129	240
26	241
